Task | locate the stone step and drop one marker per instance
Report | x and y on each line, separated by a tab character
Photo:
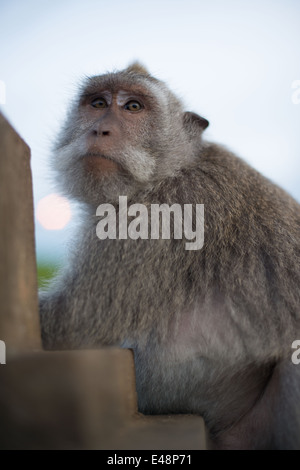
84	400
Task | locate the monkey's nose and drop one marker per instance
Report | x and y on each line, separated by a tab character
100	133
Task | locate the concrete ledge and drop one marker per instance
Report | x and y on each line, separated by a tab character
84	400
19	320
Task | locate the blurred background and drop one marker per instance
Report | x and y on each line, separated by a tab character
237	63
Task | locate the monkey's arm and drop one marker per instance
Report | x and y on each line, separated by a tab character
66	323
70	315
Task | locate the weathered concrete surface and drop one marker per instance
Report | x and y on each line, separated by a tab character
19	321
84	400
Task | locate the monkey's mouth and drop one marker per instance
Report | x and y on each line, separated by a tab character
96	162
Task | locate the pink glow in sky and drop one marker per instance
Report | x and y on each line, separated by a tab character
53	212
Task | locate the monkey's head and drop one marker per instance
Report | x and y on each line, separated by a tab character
126	130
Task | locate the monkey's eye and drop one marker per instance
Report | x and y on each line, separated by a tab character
99	103
133	106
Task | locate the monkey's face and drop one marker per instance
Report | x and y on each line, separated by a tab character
125	131
115	140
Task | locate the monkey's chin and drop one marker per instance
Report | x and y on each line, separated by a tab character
101	181
99	165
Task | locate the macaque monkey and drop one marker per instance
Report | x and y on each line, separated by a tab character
211	328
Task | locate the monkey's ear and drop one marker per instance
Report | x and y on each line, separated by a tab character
137	67
193	122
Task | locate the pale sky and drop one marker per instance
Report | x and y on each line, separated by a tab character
234	62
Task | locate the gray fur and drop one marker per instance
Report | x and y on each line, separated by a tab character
211	329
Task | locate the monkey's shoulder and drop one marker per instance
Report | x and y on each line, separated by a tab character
220	175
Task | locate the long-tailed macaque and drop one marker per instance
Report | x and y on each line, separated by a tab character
211	326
